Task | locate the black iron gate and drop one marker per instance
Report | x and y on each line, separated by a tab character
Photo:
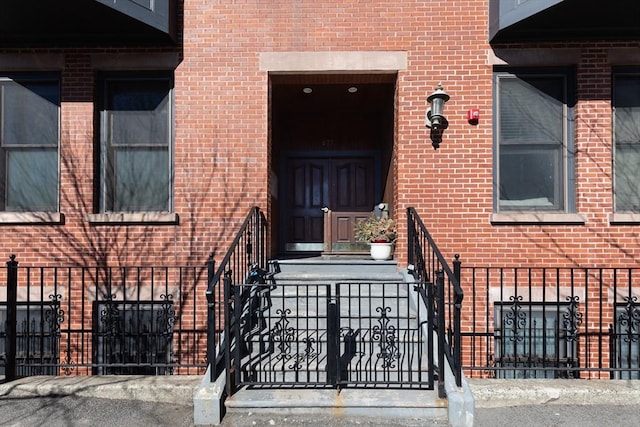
329	335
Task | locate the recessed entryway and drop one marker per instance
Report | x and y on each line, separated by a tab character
332	138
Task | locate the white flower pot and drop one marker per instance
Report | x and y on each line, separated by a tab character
381	251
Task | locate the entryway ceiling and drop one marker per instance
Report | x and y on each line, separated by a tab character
331	92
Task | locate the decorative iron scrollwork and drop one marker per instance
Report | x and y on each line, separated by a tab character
54	315
630	318
516	319
110	316
572	318
69	363
283	334
167	314
385	334
306	356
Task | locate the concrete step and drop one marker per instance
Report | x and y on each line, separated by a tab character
334	270
388	404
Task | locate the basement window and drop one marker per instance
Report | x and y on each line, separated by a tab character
535	340
133	338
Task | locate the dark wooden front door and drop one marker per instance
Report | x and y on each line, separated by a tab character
341	184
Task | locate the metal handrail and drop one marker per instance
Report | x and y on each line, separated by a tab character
429	266
248	247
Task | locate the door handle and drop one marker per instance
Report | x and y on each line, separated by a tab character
325	209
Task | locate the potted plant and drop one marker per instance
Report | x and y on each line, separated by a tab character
380	232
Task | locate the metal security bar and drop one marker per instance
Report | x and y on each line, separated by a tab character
552	322
101	320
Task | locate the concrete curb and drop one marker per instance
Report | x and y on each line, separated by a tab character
492	393
176	389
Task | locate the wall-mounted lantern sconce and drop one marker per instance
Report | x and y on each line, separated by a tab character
435	120
435	112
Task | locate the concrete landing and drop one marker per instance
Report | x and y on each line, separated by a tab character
336	270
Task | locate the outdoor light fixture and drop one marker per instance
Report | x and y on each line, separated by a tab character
435	113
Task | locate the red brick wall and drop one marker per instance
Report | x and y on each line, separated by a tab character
221	146
222	136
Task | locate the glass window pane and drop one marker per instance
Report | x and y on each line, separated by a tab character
136	141
627	109
30	113
531	110
627	190
627	137
137	113
32	180
531	177
141	180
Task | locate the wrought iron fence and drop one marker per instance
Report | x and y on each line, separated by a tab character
249	248
101	320
551	322
430	267
327	335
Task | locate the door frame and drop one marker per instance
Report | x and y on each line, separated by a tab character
315	154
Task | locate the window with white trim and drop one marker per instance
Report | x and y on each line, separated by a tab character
136	143
29	135
626	134
533	132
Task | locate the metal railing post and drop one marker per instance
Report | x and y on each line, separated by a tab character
12	299
211	320
457	338
332	342
228	298
441	331
410	237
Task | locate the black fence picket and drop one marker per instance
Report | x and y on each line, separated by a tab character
81	320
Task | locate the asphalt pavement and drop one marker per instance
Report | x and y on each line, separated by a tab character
165	401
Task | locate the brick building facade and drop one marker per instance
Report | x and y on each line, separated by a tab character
229	124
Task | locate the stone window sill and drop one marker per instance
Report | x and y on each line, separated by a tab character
624	218
133	218
537	218
12	218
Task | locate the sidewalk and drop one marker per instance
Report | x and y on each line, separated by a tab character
167	401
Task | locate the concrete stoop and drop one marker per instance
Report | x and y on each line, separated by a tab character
391	404
210	403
